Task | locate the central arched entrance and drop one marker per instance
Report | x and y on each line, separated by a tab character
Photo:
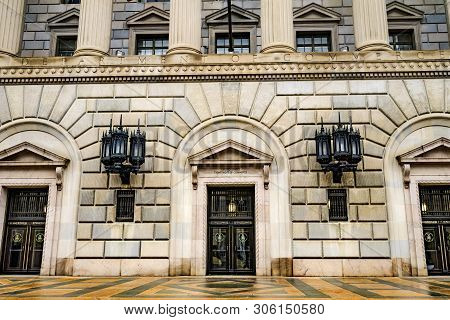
230	153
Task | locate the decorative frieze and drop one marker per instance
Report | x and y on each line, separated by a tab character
265	67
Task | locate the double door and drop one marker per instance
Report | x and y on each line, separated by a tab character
231	248
24	233
437	248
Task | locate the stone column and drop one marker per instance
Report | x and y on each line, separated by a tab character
11	26
447	9
185	34
94	30
371	26
277	26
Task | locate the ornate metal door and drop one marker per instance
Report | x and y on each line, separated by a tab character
231	231
23	242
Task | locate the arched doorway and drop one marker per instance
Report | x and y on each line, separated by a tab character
268	177
40	170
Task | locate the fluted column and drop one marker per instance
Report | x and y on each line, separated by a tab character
11	26
277	26
371	25
185	32
447	7
94	30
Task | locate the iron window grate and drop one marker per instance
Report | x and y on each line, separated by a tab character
435	202
25	204
228	203
125	206
337	204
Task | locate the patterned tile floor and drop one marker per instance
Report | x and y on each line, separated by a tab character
18	287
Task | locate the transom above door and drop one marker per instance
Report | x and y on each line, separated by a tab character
231	230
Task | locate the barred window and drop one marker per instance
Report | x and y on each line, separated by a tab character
337	204
435	202
125	206
70	1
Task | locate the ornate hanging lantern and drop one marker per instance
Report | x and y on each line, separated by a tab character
115	155
347	152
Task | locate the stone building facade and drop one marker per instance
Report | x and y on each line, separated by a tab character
234	122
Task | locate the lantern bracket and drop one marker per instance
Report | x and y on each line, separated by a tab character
338	168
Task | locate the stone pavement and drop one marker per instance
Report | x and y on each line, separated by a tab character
25	287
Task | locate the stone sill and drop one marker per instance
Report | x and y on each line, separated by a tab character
268	67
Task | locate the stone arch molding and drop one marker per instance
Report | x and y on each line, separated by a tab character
405	225
61	222
188	221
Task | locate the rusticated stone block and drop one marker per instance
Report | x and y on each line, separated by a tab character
107	231
300	231
92	214
358	196
375	249
162	231
372	213
84	231
307	249
340	248
137	231
323	230
155	249
122	249
89	249
306	213
356	230
380	231
105	197
156	214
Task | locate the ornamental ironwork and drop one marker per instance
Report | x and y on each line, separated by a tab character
115	156
346	152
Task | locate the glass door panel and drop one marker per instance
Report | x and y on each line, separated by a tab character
243	255
15	249
219	245
36	248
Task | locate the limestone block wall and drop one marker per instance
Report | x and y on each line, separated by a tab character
169	111
36	39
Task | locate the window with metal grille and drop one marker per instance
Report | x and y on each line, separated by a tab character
435	202
152	44
313	41
337	204
27	204
226	203
241	43
66	46
401	39
125	206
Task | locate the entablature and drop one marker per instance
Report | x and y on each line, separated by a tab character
248	67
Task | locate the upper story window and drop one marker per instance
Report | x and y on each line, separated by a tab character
316	29
401	39
65	46
152	44
241	43
70	1
313	41
244	31
404	26
149	32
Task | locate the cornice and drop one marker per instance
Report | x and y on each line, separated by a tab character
258	67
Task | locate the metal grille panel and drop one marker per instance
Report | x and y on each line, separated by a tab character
435	202
231	203
125	206
29	205
337	204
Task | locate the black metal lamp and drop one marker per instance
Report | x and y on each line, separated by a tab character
137	148
115	156
347	151
323	145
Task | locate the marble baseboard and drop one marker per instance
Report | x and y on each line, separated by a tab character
343	268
